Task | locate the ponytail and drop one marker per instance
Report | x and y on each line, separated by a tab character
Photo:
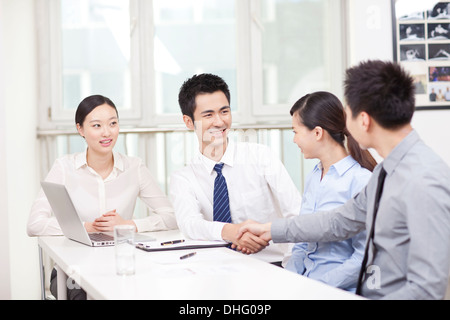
325	110
363	157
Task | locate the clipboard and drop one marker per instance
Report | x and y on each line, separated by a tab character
154	246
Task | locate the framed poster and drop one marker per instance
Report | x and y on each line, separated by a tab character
421	33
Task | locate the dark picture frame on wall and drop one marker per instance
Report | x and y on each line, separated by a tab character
421	42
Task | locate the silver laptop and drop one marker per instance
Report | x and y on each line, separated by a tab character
70	222
68	219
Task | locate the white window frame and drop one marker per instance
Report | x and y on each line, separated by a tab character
336	63
51	113
249	73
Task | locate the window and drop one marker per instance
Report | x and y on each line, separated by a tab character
89	53
95	45
138	53
192	37
301	51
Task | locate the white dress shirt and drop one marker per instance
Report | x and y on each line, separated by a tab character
92	196
259	189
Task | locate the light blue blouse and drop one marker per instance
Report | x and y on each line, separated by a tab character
334	263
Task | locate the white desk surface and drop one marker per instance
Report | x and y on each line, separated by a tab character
212	274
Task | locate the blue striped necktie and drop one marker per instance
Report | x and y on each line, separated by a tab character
221	204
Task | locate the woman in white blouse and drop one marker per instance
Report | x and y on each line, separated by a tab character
104	184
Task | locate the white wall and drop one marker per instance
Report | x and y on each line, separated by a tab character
370	30
433	127
5	285
371	38
18	148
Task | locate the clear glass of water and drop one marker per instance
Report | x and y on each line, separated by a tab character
125	249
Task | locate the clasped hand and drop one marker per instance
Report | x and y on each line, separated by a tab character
246	237
106	222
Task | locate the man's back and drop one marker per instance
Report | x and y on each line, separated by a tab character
412	230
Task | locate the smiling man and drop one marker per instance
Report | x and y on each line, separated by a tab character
227	183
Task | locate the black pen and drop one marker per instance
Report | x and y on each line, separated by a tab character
171	242
188	255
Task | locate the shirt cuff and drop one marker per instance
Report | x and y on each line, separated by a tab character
217	230
278	230
140	225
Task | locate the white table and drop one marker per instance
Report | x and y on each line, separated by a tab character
212	274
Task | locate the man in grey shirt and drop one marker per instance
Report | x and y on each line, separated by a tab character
408	254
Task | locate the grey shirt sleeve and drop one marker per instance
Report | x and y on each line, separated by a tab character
339	224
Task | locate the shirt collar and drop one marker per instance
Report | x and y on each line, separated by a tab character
341	167
227	158
81	160
397	154
118	161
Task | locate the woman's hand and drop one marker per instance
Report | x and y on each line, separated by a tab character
106	222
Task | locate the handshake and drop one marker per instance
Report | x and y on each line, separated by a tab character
248	237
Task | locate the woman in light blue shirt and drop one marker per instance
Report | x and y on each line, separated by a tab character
318	120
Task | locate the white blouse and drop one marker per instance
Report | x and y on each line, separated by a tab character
92	196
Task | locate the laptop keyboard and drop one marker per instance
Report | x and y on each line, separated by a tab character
100	237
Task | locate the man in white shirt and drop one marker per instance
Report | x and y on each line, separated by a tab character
259	187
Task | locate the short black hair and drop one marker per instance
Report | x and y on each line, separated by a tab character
90	103
200	84
382	89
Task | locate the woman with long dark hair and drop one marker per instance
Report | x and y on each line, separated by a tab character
319	124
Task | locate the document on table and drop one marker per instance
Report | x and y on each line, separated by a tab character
153	246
